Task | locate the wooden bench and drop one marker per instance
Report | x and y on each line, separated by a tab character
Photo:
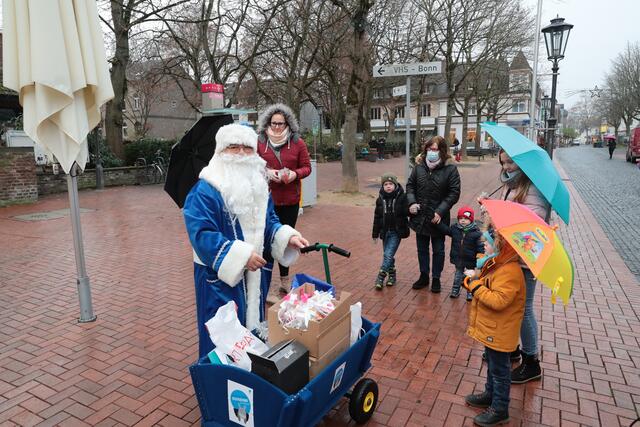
472	152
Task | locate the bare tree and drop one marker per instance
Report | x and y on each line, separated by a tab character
125	15
358	12
470	31
622	96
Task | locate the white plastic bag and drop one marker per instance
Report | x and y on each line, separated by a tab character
230	337
356	321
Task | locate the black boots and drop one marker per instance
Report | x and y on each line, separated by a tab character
392	277
491	418
529	370
435	285
481	400
380	279
422	282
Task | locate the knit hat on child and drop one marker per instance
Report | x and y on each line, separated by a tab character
389	177
466	212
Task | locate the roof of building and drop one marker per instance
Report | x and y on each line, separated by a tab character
520	62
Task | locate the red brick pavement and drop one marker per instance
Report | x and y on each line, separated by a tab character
130	366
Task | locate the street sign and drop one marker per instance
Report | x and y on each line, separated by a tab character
399	90
414	69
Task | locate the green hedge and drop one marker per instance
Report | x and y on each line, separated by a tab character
107	158
147	149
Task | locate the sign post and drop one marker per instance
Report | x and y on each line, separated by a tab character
413	69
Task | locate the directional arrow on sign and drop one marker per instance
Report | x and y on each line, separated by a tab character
413	69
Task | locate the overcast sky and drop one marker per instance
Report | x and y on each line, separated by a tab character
601	30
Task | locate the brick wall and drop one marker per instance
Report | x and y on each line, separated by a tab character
18	181
48	183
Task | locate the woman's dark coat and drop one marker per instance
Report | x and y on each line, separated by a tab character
434	190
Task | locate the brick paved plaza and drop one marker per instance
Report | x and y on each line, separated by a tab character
130	367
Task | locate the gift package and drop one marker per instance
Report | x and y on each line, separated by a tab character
316	320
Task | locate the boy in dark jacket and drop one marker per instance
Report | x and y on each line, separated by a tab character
466	243
390	224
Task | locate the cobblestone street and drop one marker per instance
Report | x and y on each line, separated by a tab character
611	189
130	367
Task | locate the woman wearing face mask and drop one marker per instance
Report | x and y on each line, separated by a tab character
518	188
432	190
288	162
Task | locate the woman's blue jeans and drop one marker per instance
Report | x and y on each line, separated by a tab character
390	245
529	328
437	243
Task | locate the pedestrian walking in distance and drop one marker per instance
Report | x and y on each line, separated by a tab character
612	146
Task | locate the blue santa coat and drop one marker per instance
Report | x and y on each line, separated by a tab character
212	234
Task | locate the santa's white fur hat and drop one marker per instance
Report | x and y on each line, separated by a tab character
235	134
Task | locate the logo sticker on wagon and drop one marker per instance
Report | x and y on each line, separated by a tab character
337	377
240	400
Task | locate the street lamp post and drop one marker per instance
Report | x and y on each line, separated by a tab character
320	127
556	36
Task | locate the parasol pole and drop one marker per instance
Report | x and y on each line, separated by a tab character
84	287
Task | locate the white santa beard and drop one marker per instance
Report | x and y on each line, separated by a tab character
242	183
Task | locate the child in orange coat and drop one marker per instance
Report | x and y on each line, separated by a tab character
494	320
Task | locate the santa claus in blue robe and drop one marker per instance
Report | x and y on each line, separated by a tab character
232	227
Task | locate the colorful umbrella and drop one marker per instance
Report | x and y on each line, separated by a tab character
537	244
535	163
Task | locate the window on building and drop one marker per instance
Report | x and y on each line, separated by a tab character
429	88
518	82
400	112
425	110
136	102
375	113
442	110
519	106
472	110
379	93
125	132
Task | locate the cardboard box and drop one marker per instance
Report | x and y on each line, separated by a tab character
321	336
317	365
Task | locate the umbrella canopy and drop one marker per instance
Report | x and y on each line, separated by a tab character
537	244
54	57
535	163
191	154
609	136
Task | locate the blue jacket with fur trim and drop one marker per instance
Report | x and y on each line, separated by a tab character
220	256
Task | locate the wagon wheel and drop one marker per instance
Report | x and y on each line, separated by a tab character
363	400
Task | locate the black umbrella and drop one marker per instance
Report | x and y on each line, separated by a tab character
191	154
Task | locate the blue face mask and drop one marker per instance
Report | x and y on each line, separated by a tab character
433	156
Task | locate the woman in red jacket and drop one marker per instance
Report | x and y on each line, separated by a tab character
287	157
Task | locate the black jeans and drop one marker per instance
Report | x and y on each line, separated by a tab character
498	379
288	215
437	243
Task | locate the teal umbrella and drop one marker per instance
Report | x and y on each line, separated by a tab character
535	163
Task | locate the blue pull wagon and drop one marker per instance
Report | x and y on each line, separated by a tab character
230	396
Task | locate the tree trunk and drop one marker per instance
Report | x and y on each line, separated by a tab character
354	94
447	124
114	118
478	129
418	137
465	124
